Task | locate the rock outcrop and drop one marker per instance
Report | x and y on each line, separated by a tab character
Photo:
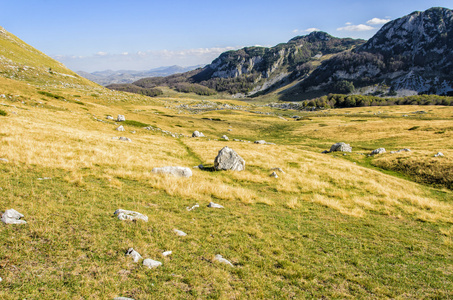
342	147
175	171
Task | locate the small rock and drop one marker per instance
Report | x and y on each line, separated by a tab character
219	258
260	142
12	216
120	118
151	263
109	117
274	175
123	214
439	154
225	137
4	160
214	205
134	254
179	232
343	147
325	151
44	178
167	253
378	151
193	207
228	159
120	128
122	298
196	133
278	169
230	129
122	138
175	171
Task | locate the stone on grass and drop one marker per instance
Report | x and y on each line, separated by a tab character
120	128
4	160
196	133
12	216
123	298
214	205
175	171
134	254
228	159
274	175
179	232
123	214
220	259
378	151
120	118
343	147
151	263
260	142
167	253
193	207
401	150
278	169
439	154
225	137
109	117
122	138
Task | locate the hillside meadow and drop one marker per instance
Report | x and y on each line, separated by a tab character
330	226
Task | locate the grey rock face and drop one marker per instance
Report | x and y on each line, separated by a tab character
196	133
214	205
343	147
120	118
378	151
12	216
151	263
220	259
134	254
175	171
228	159
130	215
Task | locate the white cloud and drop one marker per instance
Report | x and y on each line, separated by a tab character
308	30
142	60
360	27
377	21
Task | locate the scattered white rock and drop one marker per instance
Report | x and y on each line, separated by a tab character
274	175
179	232
123	214
134	254
343	147
44	178
4	160
12	216
109	117
378	151
120	118
401	150
260	142
167	253
230	129
225	137
120	128
439	154
193	207
214	205
122	138
175	171
228	159
220	259
278	169
151	263
122	298
196	133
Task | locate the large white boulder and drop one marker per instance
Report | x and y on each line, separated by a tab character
343	147
175	171
12	216
228	159
123	214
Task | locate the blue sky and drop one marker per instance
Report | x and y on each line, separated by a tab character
138	35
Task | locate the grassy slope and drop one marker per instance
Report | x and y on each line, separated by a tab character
332	226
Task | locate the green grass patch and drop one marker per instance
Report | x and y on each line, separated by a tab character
51	95
3	113
135	123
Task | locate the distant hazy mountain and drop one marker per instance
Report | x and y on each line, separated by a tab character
128	76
